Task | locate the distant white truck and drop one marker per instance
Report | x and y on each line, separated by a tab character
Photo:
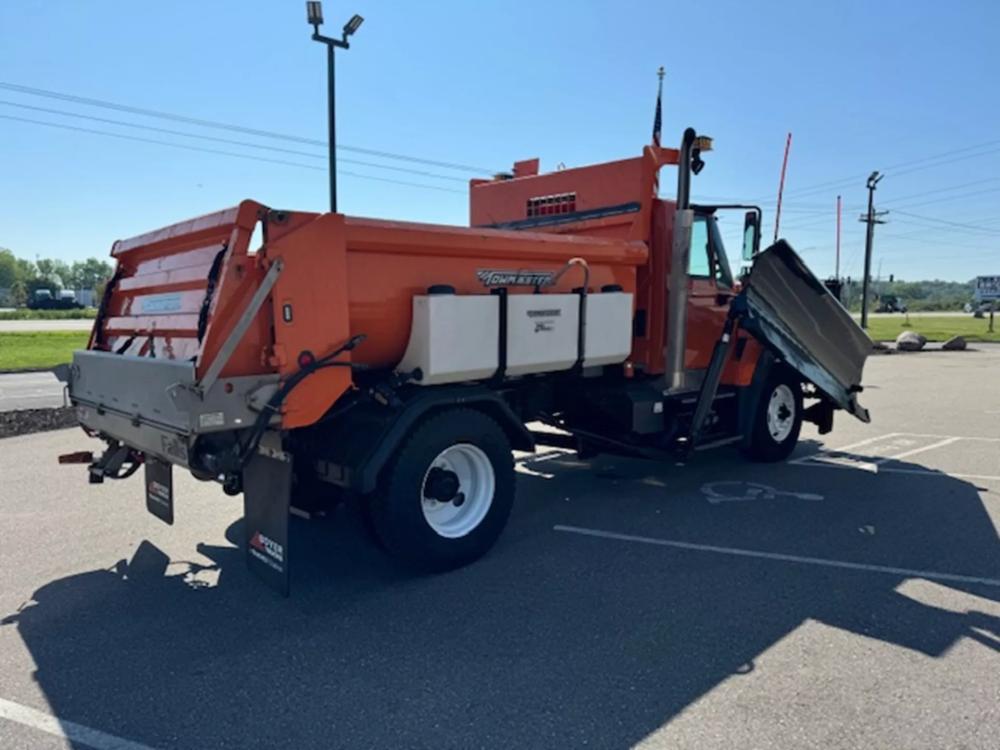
986	295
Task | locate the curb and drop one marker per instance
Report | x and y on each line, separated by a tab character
28	421
25	370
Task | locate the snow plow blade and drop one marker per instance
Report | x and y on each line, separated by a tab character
788	309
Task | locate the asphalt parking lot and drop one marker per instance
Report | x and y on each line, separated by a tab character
848	598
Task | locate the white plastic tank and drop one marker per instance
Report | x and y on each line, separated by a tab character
542	331
608	331
456	338
453	338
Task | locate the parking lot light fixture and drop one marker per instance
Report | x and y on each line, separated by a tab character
314	15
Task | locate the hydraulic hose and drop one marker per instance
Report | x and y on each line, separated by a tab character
582	329
273	405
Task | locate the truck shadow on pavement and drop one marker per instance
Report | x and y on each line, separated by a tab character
552	640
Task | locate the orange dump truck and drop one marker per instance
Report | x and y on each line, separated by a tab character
295	357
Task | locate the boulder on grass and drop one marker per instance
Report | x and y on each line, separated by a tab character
954	344
910	341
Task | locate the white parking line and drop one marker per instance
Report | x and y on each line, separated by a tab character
875	469
849	446
956	437
67	730
914	451
780	557
834	458
548	455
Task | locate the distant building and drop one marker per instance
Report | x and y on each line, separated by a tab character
987	288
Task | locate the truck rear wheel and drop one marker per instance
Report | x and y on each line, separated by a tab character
777	418
446	496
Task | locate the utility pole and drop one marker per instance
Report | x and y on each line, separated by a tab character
871	218
314	14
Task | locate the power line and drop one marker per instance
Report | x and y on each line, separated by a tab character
230	141
933	229
936	159
947	189
967	227
235	128
895	207
220	152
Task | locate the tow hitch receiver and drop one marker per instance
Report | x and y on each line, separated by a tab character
112	463
80	457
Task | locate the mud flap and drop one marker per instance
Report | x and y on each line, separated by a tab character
267	488
160	490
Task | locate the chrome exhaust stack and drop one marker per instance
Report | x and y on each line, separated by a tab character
677	278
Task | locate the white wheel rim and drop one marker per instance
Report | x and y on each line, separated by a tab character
476	481
781	413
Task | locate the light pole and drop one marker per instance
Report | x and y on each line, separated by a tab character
314	12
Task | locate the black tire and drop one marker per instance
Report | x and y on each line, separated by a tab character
396	510
760	442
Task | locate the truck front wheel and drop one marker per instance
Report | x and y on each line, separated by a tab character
777	418
445	498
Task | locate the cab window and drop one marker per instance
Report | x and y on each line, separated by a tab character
700	258
723	274
707	258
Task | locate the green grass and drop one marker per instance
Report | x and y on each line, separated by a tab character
884	328
39	350
88	313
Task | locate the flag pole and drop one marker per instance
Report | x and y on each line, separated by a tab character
658	119
781	186
837	267
658	125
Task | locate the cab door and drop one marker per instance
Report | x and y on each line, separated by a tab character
710	290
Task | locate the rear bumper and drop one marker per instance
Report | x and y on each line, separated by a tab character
156	406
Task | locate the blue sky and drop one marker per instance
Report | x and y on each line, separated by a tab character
861	85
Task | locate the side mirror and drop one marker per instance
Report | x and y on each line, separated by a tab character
751	235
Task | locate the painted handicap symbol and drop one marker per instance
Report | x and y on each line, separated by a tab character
739	492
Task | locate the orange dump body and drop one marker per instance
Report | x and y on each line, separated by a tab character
341	276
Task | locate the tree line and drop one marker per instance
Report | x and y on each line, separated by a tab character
917	295
21	277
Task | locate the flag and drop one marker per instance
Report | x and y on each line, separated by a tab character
658	119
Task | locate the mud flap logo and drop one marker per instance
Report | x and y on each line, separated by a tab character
267	551
159	493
